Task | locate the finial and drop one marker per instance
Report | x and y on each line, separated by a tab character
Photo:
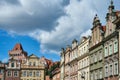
111	2
96	15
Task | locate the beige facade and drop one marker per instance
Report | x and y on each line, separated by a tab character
67	65
73	61
2	71
83	59
32	69
62	65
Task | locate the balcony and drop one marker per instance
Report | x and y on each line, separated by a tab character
31	67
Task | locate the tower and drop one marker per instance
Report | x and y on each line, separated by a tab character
18	53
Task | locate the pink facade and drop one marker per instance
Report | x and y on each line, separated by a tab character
12	71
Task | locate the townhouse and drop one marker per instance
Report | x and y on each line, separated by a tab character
83	59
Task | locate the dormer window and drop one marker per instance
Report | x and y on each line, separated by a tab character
12	64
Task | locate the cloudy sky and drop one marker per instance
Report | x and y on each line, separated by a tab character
43	27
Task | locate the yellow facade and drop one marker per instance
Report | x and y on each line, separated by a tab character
32	69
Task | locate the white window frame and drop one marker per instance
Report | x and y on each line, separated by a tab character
15	73
110	69
100	74
116	73
95	57
100	55
106	70
96	73
115	46
30	74
106	51
9	74
24	73
110	49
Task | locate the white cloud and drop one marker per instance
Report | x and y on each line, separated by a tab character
78	19
86	33
5	60
54	33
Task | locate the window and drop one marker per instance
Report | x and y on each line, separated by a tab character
30	73
12	64
87	62
24	73
79	65
106	70
106	51
100	55
15	73
91	76
34	64
110	49
95	57
111	69
96	75
30	63
116	68
91	59
9	73
100	73
115	46
37	73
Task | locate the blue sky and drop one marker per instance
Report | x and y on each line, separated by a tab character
46	26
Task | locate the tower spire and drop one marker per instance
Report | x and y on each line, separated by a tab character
111	7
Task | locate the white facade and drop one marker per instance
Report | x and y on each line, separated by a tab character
83	59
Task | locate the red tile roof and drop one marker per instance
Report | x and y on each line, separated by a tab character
18	46
104	28
117	13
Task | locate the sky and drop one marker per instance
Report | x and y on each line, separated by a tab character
43	27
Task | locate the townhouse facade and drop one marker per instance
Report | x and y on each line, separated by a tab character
32	69
100	60
12	69
67	65
73	61
2	71
111	45
83	59
56	74
96	50
22	67
62	65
